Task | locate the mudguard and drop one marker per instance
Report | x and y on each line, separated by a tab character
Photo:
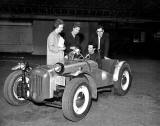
117	70
93	86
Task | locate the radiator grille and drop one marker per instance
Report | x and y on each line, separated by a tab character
37	85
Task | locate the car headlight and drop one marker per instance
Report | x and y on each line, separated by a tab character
59	68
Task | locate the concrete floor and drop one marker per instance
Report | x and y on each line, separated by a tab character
140	107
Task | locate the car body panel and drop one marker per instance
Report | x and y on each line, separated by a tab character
44	79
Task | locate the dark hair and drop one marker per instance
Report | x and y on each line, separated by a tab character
58	22
76	24
100	26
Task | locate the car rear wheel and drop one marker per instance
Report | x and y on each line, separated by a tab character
122	86
76	100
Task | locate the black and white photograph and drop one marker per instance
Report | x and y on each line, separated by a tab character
79	63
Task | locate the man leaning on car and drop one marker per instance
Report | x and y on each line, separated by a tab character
101	42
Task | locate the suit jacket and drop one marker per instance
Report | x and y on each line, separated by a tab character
96	57
104	44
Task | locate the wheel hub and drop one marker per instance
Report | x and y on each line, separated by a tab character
125	80
20	90
81	100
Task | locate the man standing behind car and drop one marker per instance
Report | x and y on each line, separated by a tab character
73	39
101	42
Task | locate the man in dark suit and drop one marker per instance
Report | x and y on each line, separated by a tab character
91	54
101	42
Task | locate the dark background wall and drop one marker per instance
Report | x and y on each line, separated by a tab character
41	30
125	38
32	37
16	37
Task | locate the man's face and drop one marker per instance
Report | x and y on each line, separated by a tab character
90	49
76	30
100	32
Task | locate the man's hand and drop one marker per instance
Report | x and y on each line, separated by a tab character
106	58
73	47
66	57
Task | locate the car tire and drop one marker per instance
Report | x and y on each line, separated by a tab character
10	89
76	100
122	86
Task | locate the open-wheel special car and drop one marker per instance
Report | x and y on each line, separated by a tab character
70	86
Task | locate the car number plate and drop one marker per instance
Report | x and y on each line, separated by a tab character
60	80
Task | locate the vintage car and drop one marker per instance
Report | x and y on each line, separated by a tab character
70	86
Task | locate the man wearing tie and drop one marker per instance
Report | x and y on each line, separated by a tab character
101	42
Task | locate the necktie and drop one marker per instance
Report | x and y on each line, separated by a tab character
99	42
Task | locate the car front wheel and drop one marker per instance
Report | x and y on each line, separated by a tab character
10	89
76	99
